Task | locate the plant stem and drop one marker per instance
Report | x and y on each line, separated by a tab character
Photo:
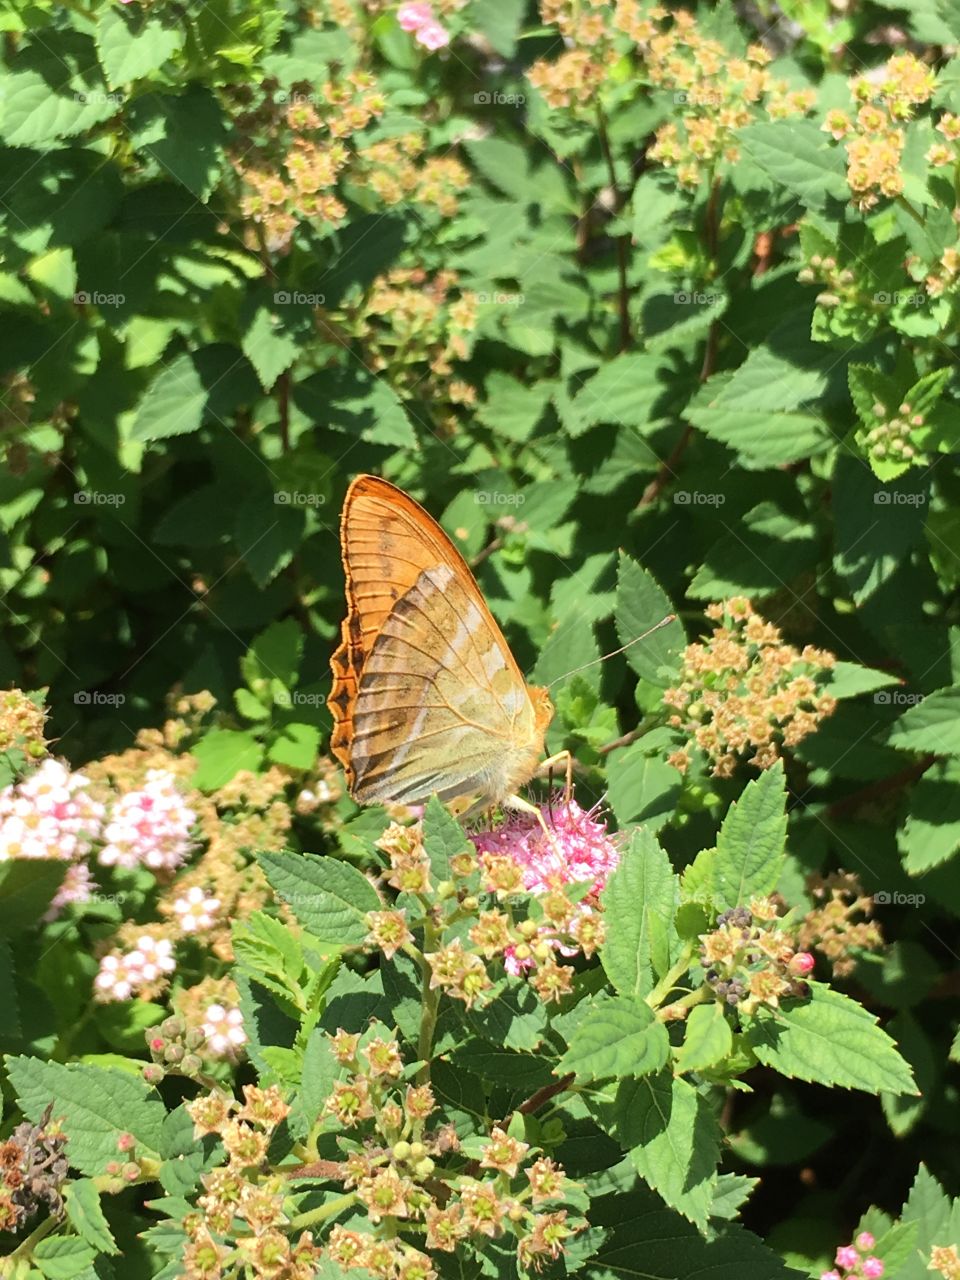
623	292
669	1011
324	1211
429	1004
670	979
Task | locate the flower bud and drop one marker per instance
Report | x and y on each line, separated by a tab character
401	1150
423	1168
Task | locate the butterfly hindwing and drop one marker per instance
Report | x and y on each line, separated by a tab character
427	697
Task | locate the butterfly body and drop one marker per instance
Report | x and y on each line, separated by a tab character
427	697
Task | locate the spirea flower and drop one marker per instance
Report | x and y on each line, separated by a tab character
224	1032
49	814
77	886
420	20
195	910
580	851
149	827
124	974
855	1262
745	691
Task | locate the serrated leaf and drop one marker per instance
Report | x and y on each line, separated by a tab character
674	1140
223	753
173	404
639	902
268	346
87	1217
930	834
932	725
707	1038
27	886
641	604
832	1040
131	46
641	788
96	1104
798	156
442	838
619	1037
63	1258
328	897
184	133
750	845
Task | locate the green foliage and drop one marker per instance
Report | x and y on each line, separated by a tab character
648	327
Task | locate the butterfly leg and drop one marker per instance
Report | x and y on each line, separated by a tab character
567	759
524	806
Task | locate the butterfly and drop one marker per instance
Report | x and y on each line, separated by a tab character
427	697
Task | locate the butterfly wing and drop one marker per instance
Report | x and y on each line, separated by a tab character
427	697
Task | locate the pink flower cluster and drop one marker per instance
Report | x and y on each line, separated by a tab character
420	19
581	850
123	974
149	827
855	1261
49	814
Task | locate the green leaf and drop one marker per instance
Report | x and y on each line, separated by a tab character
442	838
633	389
296	745
96	1104
750	846
173	404
641	604
930	833
501	22
645	1240
275	655
619	1037
932	725
269	347
87	1217
185	134
131	46
639	902
328	897
707	1038
799	156
223	753
27	887
354	402
63	1258
9	1005
674	1140
832	1040
641	788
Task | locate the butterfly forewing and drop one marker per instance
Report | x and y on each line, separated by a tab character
427	698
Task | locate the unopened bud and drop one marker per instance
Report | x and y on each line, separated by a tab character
528	929
171	1028
173	1053
446	889
191	1065
470	903
417	1151
401	1150
153	1073
424	1168
131	1172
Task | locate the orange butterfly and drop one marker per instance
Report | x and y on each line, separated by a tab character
427	697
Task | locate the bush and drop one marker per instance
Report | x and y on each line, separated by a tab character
655	310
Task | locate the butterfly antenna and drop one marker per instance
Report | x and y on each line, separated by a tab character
671	617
